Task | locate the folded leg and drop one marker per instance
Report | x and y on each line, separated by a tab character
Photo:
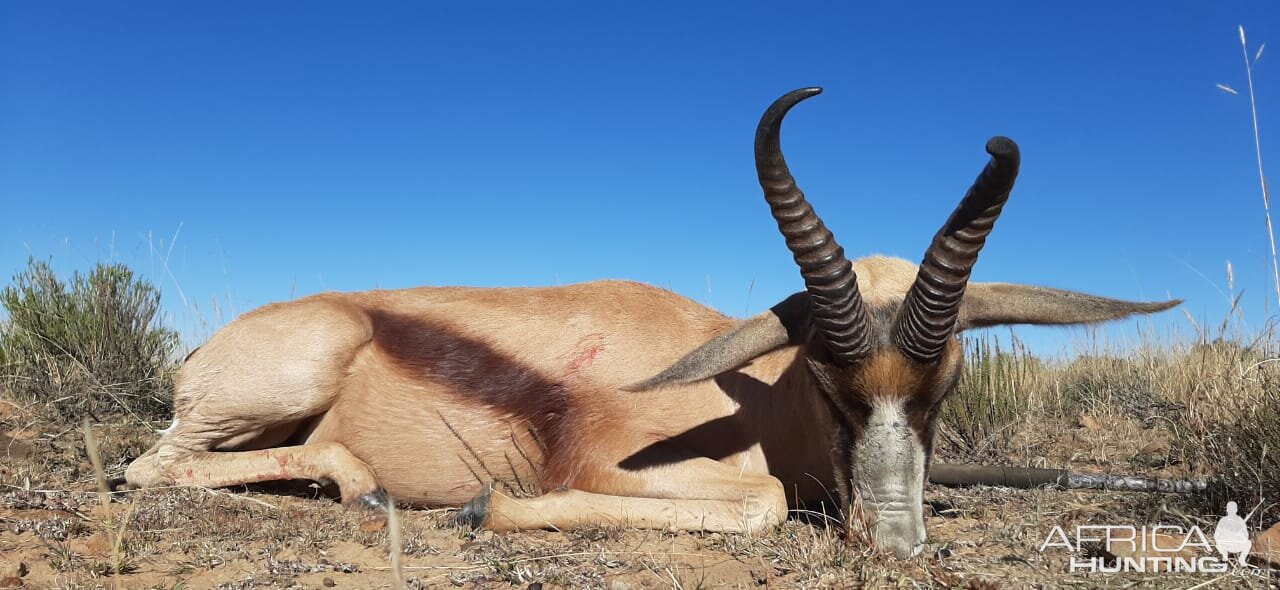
182	457
695	495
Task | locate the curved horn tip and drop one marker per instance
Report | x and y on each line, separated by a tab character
770	126
790	99
1002	147
805	92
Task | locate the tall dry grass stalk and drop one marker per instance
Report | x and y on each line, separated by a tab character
112	522
395	545
95	458
1257	149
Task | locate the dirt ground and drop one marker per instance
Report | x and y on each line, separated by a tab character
54	532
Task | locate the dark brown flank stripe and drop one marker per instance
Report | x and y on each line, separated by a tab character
437	354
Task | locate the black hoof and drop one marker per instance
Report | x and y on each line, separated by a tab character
475	512
116	484
377	501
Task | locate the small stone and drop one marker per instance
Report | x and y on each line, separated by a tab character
99	544
373	525
346	568
328	582
11	574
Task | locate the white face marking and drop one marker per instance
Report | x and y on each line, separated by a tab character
888	468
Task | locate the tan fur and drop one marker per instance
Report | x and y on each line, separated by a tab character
884	280
713	497
888	375
313	371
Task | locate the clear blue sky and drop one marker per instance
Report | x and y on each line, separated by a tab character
269	149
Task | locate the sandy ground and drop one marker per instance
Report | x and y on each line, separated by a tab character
194	538
54	533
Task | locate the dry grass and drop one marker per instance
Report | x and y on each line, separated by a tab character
996	391
1204	408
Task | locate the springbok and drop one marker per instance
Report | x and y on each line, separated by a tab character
627	404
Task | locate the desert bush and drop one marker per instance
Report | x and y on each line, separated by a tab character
92	346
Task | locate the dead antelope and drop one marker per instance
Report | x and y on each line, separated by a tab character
630	404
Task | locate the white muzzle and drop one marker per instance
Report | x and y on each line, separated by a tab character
889	473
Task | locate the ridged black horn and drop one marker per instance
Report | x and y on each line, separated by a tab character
932	306
838	312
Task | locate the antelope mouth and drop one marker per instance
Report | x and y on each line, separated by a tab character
897	528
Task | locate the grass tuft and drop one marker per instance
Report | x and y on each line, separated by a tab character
981	417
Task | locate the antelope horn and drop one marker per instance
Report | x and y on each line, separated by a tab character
932	306
837	308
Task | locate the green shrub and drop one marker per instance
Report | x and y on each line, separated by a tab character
91	347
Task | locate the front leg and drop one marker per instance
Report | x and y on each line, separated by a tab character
694	495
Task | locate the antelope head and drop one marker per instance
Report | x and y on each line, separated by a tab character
885	364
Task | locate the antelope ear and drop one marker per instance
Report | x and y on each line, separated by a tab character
994	304
783	324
